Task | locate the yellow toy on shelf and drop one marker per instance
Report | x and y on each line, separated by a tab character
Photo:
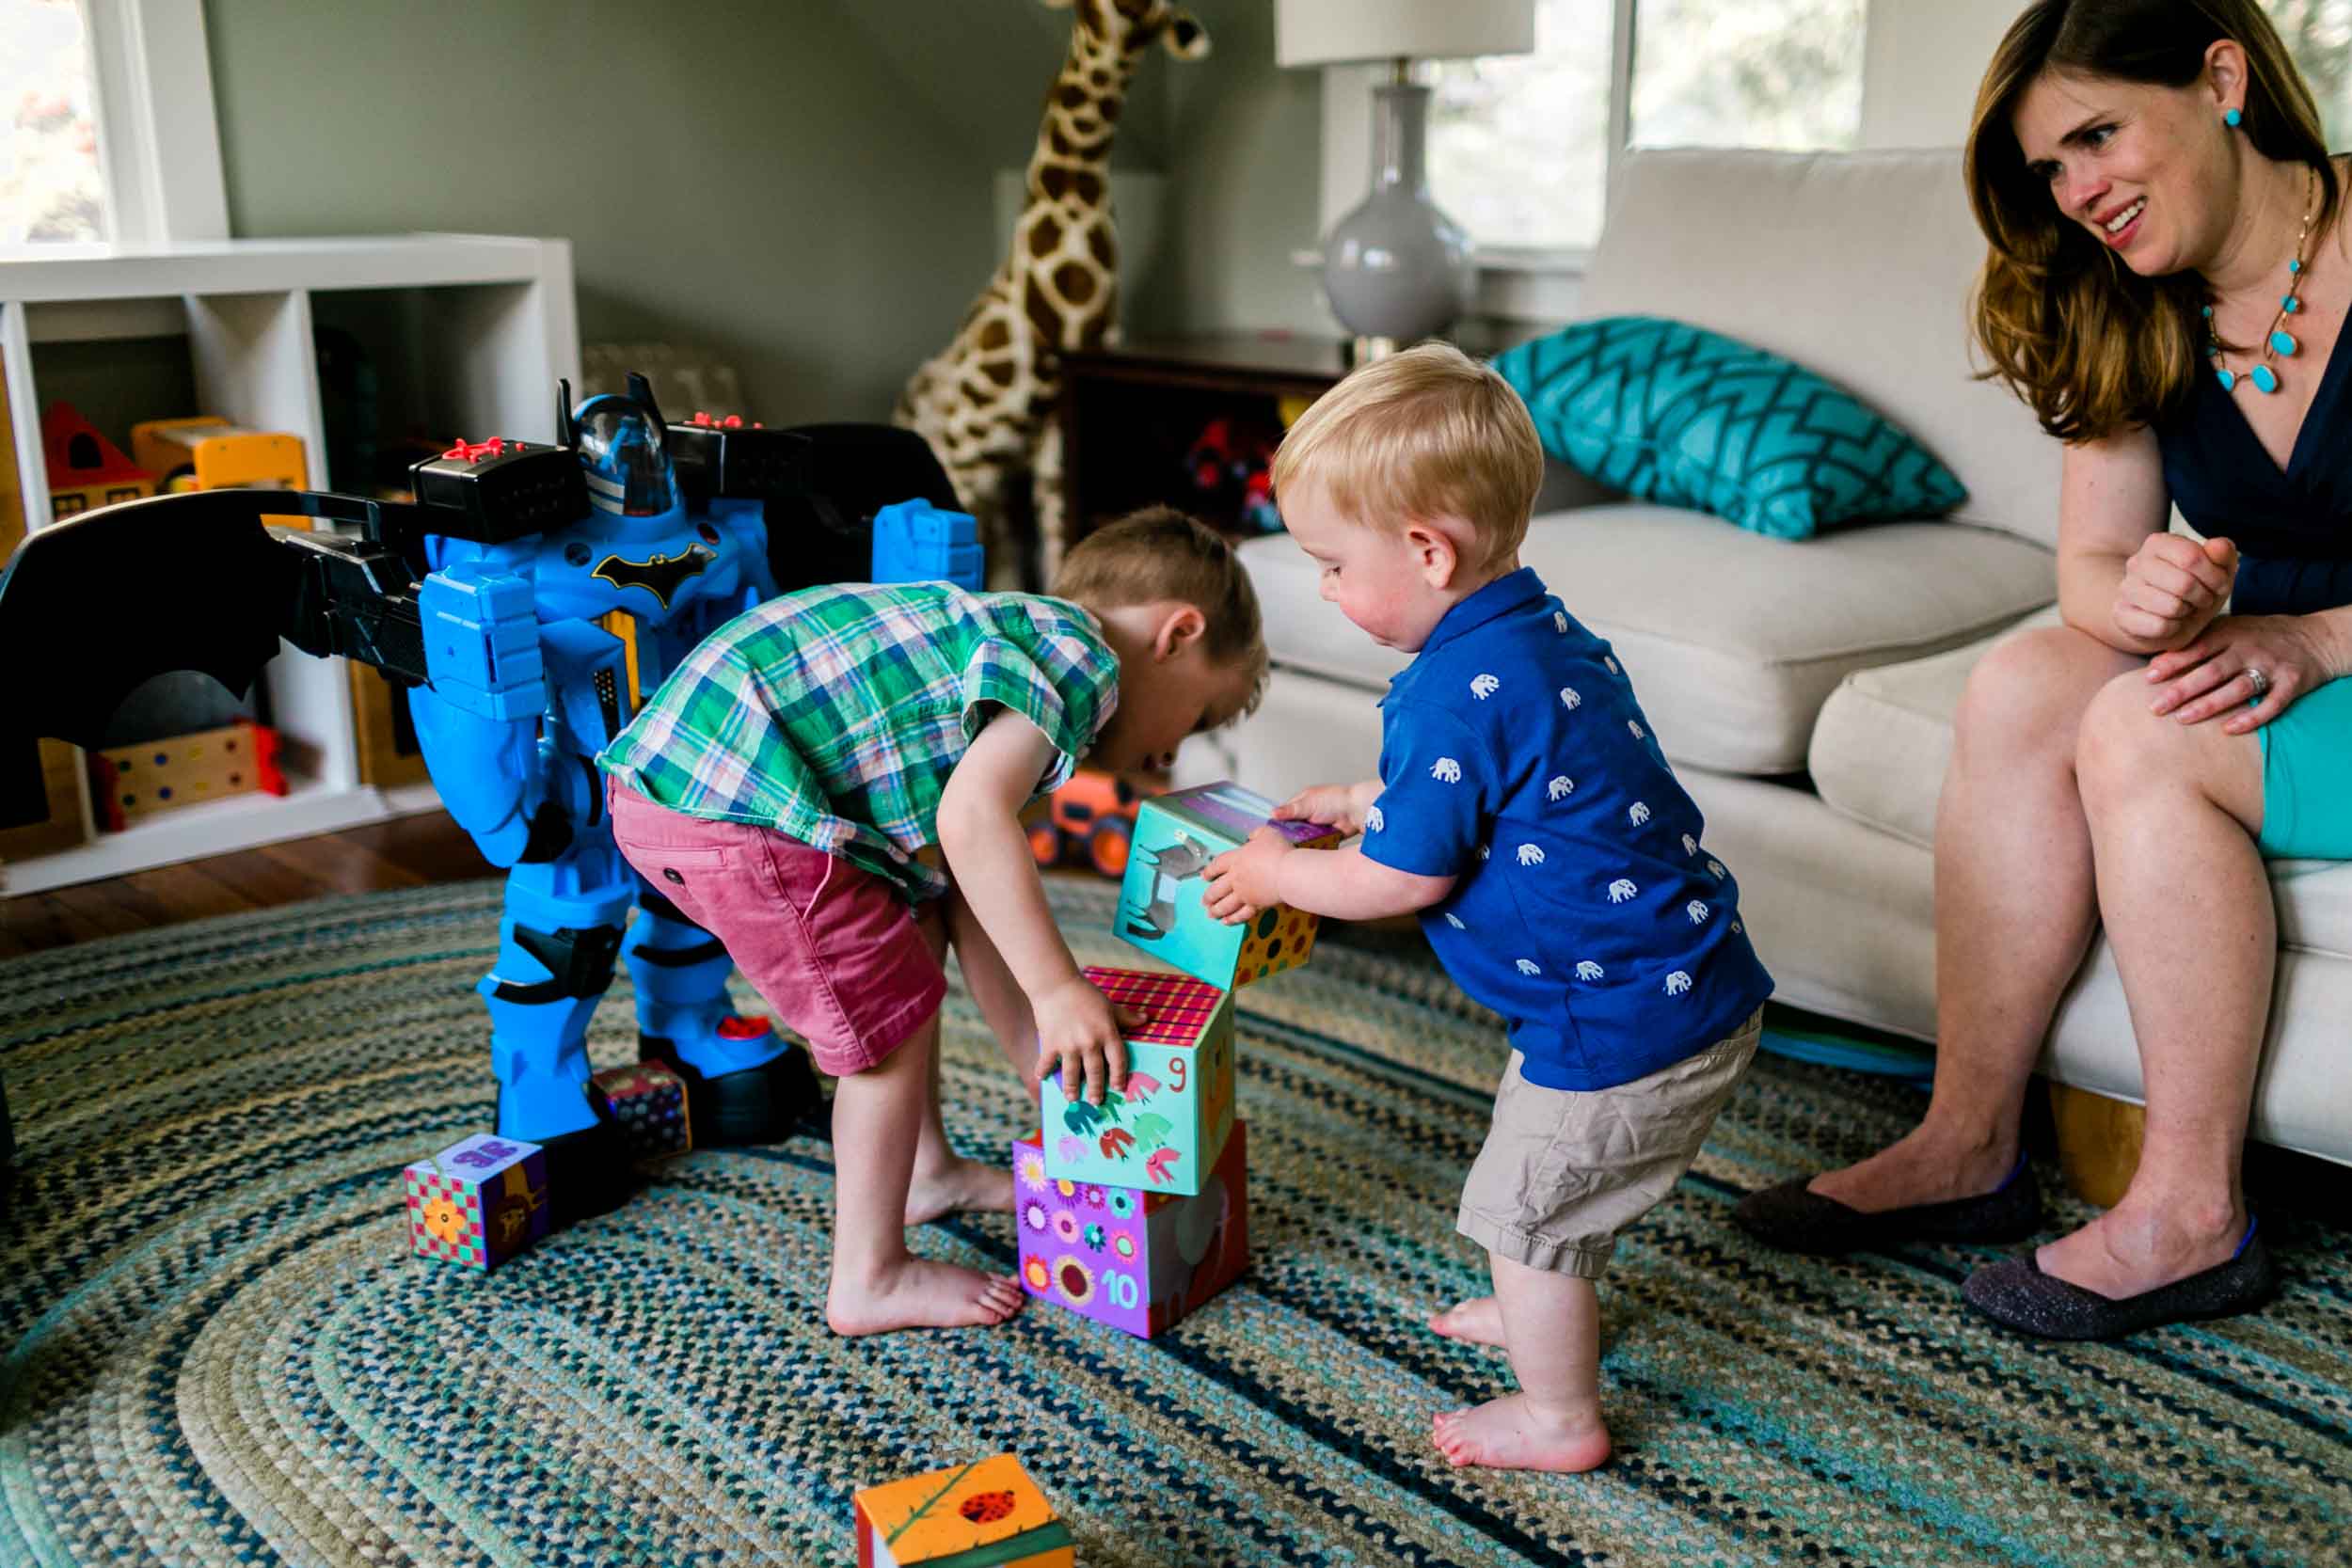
985	1514
210	453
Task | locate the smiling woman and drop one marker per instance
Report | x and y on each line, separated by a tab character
2165	285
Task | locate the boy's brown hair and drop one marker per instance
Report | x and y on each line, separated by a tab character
1159	553
1428	432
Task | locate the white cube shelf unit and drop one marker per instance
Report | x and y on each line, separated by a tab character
498	326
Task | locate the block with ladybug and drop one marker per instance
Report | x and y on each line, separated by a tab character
1134	1260
1163	1132
1160	913
987	1514
478	1202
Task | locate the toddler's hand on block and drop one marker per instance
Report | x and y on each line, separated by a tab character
1242	882
1080	1036
1332	803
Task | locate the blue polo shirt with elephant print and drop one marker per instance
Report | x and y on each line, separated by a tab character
1587	909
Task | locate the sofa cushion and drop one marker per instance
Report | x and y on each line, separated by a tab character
1885	737
1733	640
1856	265
1666	412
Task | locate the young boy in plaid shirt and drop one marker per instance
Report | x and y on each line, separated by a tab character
779	788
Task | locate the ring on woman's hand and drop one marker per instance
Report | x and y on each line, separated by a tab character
2260	682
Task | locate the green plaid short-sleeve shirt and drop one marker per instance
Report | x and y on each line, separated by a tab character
834	715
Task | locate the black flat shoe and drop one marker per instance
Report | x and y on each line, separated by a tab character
1794	1219
2016	1294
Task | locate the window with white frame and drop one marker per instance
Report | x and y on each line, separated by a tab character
1519	146
51	186
106	107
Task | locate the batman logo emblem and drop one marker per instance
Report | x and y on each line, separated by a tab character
658	576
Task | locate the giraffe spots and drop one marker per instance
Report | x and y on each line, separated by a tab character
1074	282
995	334
999	371
1059	140
1085	186
1109	108
1053	180
1044	320
1101	245
1072	96
1044	236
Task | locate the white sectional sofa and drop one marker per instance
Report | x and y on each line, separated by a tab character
1805	691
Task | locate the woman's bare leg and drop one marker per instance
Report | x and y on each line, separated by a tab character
2173	810
2014	912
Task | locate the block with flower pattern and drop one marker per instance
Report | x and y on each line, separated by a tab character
1136	1260
1164	1131
478	1202
1160	911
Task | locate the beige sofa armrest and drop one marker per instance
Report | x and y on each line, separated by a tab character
1564	489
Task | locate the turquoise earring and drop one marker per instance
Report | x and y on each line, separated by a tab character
2231	118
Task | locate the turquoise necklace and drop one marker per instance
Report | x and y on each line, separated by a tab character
2278	344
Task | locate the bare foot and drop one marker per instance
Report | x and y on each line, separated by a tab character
920	1294
960	1185
1922	1166
2137	1246
1508	1434
1477	1320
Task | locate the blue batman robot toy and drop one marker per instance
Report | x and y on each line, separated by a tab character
528	597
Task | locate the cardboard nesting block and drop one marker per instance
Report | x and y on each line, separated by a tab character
478	1202
1160	913
1165	1130
1136	1260
985	1514
646	1103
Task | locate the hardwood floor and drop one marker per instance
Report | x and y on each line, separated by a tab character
408	851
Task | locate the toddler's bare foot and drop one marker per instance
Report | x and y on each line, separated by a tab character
1477	1320
1509	1435
961	1184
920	1294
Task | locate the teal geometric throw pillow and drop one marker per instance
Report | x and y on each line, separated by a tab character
1689	418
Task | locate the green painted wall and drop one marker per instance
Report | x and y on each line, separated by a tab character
803	187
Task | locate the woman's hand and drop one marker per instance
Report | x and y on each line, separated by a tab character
2172	587
2215	673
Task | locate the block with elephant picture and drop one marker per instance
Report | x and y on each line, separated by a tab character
1136	1260
1163	1132
1160	911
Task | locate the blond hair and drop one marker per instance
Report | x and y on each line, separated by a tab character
1158	553
1428	432
2092	347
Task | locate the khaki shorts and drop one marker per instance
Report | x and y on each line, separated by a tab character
1565	1170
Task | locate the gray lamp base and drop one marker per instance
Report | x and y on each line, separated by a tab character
1397	268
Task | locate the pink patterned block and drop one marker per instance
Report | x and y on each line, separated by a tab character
478	1202
1136	1260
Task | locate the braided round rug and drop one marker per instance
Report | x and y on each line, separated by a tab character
220	1350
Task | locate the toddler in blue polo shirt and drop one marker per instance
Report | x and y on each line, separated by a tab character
1525	811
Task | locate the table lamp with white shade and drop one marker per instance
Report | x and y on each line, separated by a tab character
1396	268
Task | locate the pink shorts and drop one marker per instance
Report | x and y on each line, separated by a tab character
840	956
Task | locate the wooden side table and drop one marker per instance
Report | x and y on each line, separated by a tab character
1132	416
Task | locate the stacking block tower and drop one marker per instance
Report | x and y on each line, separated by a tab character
1160	1169
478	1202
985	1514
1134	1260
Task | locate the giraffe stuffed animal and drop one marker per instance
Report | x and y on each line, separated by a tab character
986	403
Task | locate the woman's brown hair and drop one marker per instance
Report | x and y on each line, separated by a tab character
2089	344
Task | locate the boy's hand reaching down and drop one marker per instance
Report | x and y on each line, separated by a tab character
1081	1035
1242	882
1341	805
